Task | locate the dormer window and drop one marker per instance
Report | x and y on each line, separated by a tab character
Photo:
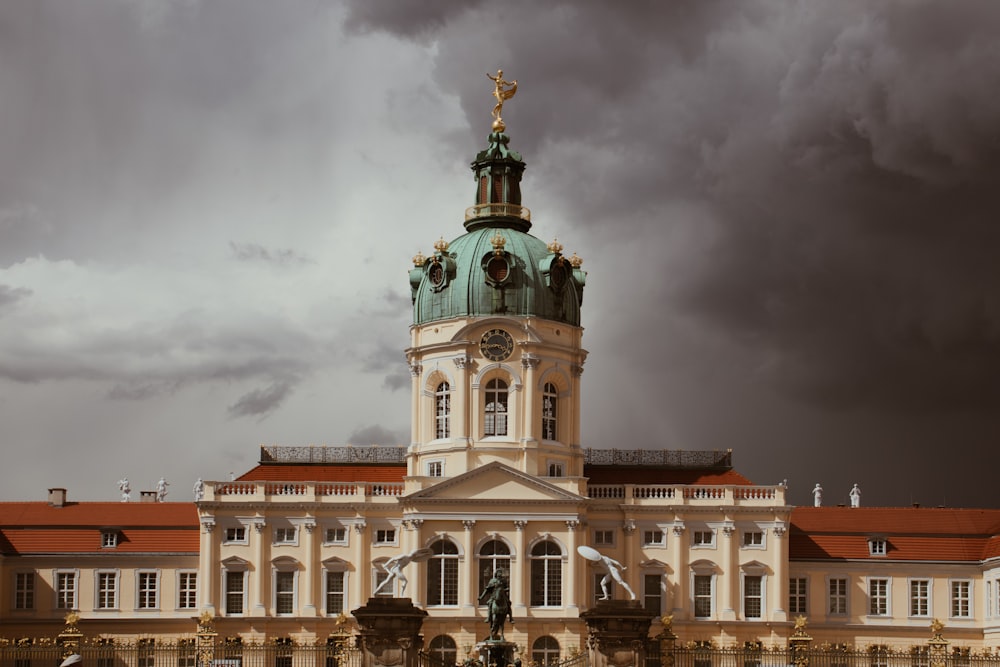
109	539
878	546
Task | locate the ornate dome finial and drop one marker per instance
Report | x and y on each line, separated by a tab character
498	242
576	261
419	259
441	245
555	247
502	96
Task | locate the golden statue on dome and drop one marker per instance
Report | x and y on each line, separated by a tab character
502	94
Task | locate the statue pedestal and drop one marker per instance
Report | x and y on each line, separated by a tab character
498	652
618	633
389	631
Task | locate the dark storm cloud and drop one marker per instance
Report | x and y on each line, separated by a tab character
842	157
253	252
262	401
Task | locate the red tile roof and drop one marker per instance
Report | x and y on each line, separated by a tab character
911	533
37	527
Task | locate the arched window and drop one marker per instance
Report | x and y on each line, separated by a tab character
496	407
442	411
493	556
443	651
442	574
546	575
549	396
545	651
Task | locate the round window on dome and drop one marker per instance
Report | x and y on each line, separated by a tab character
557	276
436	274
497	269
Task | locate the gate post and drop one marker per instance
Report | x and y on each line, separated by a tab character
206	635
937	645
799	643
71	636
668	641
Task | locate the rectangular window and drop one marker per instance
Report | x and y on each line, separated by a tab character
753	596
753	538
149	590
442	581
234	592
652	593
285	535
604	538
187	588
878	597
109	539
556	470
920	597
435	468
24	590
335	593
652	538
797	600
284	602
877	546
385	536
107	590
238	534
66	590
703	596
837	600
703	538
961	599
380	576
336	536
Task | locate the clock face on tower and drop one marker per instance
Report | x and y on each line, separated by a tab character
496	345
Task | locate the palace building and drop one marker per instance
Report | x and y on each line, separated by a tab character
495	477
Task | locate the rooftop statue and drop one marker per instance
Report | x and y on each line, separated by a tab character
502	96
125	488
817	495
161	490
855	496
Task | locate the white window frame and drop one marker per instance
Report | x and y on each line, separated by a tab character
243	572
157	579
874	597
845	596
878	546
287	535
756	537
100	576
550	418
661	585
757	573
435	468
799	593
279	571
182	578
955	597
73	589
342	540
556	468
109	539
698	538
442	410
712	577
381	537
927	599
238	537
654	537
344	594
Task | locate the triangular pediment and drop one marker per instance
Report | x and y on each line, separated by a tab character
493	483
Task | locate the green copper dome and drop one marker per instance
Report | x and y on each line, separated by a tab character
497	267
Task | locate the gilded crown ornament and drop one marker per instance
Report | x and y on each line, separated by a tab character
502	94
498	242
576	261
441	245
419	259
555	247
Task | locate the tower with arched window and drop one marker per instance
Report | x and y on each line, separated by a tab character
496	343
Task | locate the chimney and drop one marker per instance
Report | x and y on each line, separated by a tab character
57	497
147	496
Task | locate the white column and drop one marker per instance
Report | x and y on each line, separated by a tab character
466	578
572	575
362	585
308	587
780	586
519	571
418	574
262	569
729	588
680	562
206	564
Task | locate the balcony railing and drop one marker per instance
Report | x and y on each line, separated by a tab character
307	491
501	210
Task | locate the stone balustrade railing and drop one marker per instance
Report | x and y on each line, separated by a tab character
367	491
693	494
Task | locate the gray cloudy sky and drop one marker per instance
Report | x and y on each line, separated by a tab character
788	212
